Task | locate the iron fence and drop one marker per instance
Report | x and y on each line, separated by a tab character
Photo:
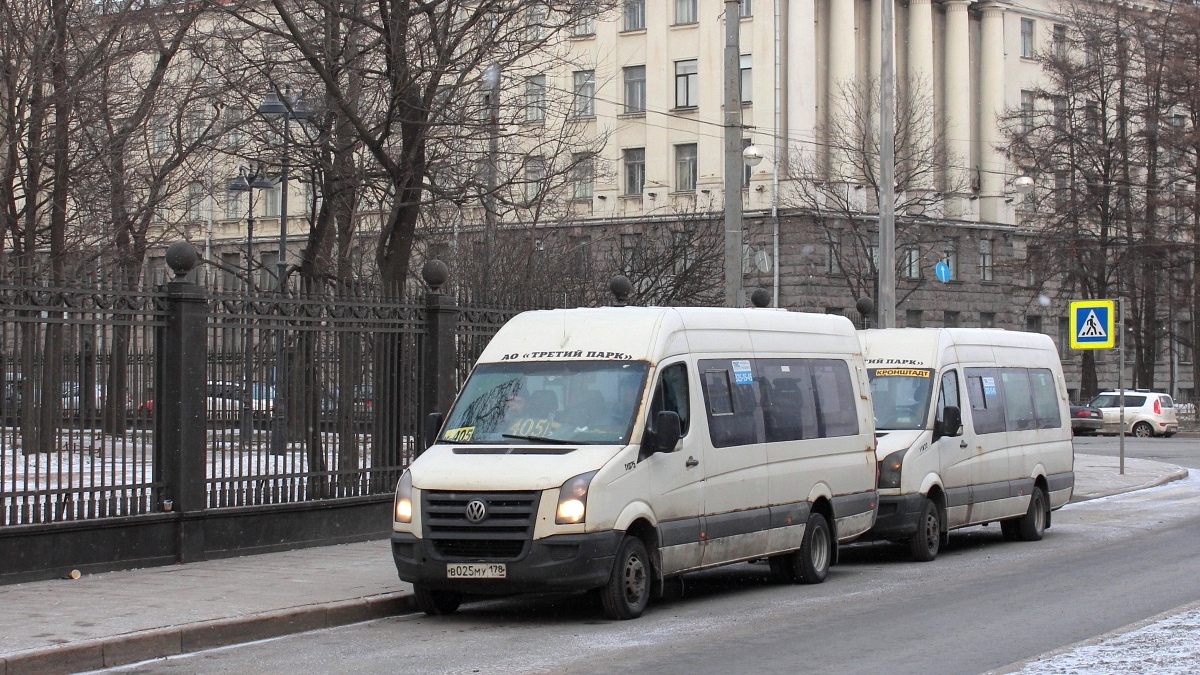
75	429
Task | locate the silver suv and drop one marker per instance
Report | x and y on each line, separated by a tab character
1147	413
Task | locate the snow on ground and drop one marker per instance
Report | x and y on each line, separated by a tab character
1168	646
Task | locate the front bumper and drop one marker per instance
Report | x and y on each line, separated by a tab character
897	518
561	563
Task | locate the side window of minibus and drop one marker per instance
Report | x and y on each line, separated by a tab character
947	395
671	395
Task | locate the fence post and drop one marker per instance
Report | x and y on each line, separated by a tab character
179	445
441	321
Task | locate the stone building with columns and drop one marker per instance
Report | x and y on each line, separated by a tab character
654	73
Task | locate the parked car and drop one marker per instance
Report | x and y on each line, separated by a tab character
224	401
1086	420
1147	413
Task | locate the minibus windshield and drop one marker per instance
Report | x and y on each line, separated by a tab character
900	397
548	402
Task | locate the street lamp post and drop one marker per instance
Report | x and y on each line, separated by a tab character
247	181
288	107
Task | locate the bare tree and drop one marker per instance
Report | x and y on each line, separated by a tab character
839	183
1096	150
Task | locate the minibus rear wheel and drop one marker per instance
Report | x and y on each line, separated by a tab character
1032	526
810	564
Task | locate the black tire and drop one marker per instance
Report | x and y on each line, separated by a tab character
925	543
809	564
1143	430
627	592
816	551
1011	529
436	603
1032	525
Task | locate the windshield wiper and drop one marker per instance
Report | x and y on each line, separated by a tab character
539	439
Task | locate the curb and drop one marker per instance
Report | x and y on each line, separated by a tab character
120	650
1179	474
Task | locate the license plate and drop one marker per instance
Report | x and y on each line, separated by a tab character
476	571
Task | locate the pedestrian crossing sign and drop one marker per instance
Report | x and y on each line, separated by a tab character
1091	324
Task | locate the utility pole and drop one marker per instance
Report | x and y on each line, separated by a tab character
733	156
887	169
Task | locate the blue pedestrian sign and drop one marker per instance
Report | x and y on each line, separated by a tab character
1091	324
942	270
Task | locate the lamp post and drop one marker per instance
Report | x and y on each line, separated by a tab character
248	181
289	107
491	85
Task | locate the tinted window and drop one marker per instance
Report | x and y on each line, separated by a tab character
752	400
732	402
987	402
1012	399
1045	399
671	395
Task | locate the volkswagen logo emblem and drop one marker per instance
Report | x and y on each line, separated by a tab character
476	511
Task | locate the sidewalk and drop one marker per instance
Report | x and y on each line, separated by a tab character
109	619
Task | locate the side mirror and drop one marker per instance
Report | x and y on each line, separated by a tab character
667	432
951	421
433	424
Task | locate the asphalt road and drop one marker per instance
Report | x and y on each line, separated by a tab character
984	605
1178	450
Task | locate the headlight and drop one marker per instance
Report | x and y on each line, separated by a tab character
572	500
889	469
403	510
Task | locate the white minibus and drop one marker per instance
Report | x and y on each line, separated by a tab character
608	449
973	427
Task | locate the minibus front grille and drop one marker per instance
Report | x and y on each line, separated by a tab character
501	533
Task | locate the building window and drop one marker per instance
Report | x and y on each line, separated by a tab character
535	19
233	205
913	318
631	251
1060	40
1026	110
585	26
950	319
745	8
582	174
160	134
635	14
233	119
987	319
833	261
950	257
535	171
683	251
1033	324
685	11
535	98
1183	337
912	262
635	89
685	167
635	171
1027	46
195	200
985	260
581	250
687	84
585	93
747	79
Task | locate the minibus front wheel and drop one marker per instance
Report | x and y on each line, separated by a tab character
925	544
627	592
